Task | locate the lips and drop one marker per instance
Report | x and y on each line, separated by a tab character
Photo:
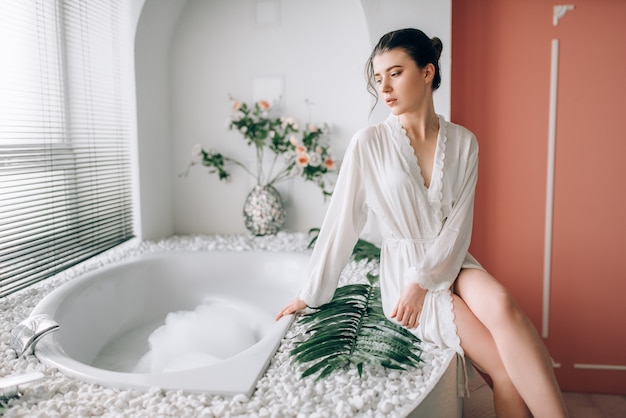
390	101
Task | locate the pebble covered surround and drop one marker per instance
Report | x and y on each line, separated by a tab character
279	393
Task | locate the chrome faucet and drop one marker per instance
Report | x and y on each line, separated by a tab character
27	334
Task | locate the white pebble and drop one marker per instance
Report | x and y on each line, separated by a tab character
341	379
339	408
294	402
254	405
240	398
385	407
357	402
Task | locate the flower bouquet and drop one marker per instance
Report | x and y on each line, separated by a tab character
293	153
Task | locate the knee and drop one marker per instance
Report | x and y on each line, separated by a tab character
490	301
503	308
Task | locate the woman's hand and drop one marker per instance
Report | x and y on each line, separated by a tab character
409	307
293	307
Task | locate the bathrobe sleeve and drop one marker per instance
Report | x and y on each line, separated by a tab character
443	261
343	222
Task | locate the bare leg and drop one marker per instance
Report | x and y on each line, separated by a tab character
479	346
522	351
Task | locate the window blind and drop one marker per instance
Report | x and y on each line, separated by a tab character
65	168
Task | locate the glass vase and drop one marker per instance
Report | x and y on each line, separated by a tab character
263	211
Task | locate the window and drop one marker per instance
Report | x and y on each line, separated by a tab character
65	169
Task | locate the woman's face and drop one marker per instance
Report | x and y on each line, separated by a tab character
402	84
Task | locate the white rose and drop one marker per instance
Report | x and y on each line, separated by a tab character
287	121
196	150
315	159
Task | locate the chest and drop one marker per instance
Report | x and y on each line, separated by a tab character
424	152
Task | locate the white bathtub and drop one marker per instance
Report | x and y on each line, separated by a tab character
105	317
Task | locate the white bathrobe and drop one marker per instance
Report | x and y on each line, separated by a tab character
426	230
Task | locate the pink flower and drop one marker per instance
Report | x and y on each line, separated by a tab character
300	149
293	140
264	104
329	164
302	159
236	106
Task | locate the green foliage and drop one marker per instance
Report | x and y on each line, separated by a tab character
352	329
365	250
259	129
293	151
215	162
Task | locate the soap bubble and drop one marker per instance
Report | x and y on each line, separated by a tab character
214	331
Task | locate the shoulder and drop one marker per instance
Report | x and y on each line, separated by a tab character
455	130
378	134
368	135
461	135
372	137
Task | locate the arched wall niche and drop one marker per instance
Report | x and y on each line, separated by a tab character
191	55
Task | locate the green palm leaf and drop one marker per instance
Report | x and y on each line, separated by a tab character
352	329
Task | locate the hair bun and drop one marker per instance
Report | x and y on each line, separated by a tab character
438	45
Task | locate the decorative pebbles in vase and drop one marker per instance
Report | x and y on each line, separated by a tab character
263	211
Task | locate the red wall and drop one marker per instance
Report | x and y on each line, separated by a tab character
500	90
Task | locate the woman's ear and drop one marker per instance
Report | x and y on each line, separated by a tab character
429	73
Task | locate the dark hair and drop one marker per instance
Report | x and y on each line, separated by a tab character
422	49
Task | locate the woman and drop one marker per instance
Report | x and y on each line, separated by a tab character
417	174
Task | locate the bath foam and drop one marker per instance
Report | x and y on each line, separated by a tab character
214	331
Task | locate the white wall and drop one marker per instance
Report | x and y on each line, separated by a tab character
152	68
216	49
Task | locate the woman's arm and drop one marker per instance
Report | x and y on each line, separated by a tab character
343	222
444	258
340	231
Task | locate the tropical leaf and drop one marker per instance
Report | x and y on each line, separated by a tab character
352	329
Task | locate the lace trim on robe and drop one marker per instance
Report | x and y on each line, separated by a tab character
406	150
435	191
452	335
